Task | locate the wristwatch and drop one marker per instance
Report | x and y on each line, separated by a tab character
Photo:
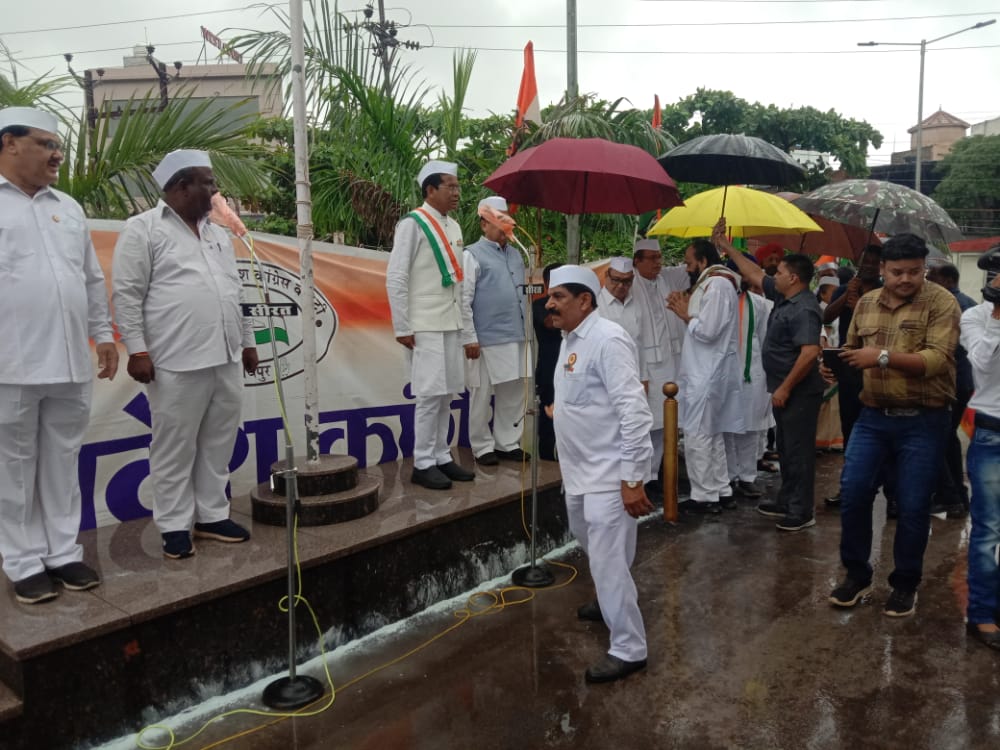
632	485
883	359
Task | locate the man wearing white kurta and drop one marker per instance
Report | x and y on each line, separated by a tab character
709	379
493	311
177	304
424	283
663	333
617	303
52	298
743	448
602	424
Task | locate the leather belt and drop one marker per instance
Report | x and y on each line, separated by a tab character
896	411
986	422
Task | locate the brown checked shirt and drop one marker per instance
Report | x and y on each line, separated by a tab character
928	325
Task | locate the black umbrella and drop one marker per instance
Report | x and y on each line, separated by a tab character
726	159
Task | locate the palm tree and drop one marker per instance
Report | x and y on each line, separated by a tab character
369	134
110	168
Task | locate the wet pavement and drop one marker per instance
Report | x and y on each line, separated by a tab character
744	652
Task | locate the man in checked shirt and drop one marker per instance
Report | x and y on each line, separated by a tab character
903	338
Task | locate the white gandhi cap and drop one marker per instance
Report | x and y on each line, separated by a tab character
495	202
436	167
28	117
575	275
652	244
621	265
175	161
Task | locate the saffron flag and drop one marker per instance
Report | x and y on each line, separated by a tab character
657	115
527	96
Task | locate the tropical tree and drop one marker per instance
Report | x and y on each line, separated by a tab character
109	169
970	186
40	92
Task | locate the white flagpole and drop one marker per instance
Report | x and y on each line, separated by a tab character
303	205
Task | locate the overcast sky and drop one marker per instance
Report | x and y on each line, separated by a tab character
783	52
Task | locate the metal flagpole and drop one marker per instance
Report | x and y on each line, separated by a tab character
295	691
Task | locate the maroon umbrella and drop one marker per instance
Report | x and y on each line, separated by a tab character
585	176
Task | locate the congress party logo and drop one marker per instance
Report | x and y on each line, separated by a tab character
284	288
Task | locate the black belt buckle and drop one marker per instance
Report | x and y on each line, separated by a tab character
899	411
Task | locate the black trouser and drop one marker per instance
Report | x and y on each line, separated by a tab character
951	488
795	424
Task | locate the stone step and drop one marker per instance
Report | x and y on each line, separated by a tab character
318	510
10	705
331	474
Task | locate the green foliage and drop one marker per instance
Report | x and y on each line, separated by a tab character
970	188
805	128
110	169
37	93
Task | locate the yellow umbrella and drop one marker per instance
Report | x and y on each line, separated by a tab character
748	213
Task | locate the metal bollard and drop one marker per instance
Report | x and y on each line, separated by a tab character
670	453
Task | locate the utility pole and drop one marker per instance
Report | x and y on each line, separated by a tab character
572	92
384	41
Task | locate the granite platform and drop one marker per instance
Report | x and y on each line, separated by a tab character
160	634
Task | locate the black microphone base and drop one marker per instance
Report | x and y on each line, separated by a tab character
533	577
286	694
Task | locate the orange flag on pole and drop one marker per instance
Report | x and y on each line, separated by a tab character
657	115
527	96
527	99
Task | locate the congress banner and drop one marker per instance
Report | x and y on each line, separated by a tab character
366	408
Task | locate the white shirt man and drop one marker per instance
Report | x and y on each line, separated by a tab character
663	333
709	379
493	311
52	298
177	301
617	303
424	283
602	424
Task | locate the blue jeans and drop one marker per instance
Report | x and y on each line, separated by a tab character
916	444
984	575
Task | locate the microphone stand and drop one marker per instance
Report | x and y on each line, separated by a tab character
294	691
536	574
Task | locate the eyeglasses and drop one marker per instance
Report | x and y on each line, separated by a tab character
47	143
623	282
451	188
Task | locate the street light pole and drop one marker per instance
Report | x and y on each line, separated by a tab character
920	93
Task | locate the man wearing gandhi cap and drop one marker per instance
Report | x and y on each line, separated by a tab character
602	424
493	310
663	332
177	304
424	283
52	299
617	303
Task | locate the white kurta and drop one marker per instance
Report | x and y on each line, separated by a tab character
52	298
629	315
500	370
602	424
709	379
663	335
435	364
177	296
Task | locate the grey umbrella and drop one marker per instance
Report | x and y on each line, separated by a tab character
727	159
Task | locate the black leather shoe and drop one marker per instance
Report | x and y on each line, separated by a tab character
75	576
988	639
35	589
488	459
515	455
611	668
455	472
833	501
432	478
590	611
727	502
